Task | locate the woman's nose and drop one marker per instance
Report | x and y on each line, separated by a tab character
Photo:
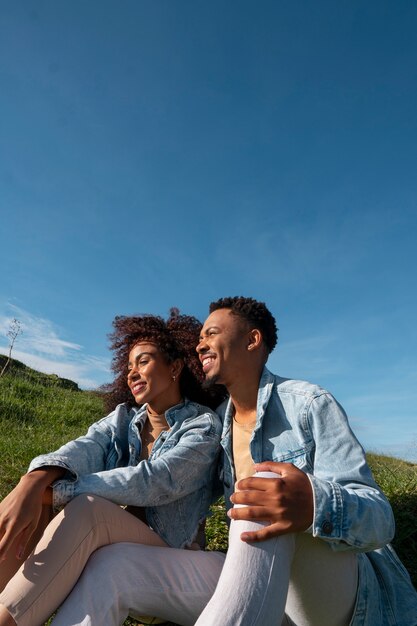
133	373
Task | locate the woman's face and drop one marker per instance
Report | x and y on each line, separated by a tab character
151	379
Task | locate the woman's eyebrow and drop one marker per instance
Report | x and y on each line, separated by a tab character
141	354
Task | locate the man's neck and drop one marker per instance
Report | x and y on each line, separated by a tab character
244	397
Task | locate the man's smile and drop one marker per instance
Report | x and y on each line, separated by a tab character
207	360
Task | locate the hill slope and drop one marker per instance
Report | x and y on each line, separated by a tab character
38	413
19	370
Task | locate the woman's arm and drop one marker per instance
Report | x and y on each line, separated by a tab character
178	470
104	445
20	510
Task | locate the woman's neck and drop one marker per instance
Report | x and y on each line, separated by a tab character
160	405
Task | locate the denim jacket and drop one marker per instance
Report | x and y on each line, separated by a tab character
302	424
174	484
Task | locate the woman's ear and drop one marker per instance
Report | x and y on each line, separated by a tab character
176	368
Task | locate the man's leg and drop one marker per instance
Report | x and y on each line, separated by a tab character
176	584
323	584
298	574
253	585
131	579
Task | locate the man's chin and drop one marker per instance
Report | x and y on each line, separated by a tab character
210	381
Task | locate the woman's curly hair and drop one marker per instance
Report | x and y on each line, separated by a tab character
176	338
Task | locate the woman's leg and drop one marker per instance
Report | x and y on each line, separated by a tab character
50	572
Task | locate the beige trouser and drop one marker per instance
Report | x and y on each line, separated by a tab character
48	575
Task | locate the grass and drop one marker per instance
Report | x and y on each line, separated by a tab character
38	413
398	480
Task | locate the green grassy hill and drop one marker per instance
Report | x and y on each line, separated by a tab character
39	412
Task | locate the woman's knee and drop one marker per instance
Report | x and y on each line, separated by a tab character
85	501
86	509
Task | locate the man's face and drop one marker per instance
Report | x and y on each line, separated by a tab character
223	347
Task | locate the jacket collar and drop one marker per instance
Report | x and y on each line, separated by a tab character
266	385
170	414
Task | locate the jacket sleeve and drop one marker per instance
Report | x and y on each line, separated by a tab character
174	471
350	511
104	444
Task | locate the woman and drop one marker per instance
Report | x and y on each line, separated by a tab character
156	454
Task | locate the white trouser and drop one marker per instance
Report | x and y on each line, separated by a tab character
296	573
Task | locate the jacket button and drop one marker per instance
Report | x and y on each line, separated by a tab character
327	527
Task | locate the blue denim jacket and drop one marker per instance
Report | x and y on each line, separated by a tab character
302	424
174	484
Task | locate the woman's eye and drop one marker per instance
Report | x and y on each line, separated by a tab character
143	362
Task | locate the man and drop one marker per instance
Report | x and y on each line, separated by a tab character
309	547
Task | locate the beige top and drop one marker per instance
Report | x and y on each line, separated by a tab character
243	462
152	428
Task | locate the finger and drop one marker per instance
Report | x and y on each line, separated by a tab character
255	498
273	466
5	543
16	541
250	513
23	541
258	484
264	533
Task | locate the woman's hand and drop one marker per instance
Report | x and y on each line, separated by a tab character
21	509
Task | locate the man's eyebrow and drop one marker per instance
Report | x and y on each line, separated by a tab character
204	332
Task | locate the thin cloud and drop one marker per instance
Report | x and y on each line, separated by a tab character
40	346
39	334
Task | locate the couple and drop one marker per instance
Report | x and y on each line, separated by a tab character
308	540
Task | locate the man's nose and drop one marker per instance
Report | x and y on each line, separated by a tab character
202	346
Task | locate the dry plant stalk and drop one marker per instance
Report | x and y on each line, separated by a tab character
15	329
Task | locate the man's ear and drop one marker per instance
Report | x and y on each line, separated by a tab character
254	339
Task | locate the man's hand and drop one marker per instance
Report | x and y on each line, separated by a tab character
285	502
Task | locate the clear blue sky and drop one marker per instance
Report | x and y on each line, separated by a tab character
158	154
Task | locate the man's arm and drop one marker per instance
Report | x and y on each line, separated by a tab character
286	502
338	497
